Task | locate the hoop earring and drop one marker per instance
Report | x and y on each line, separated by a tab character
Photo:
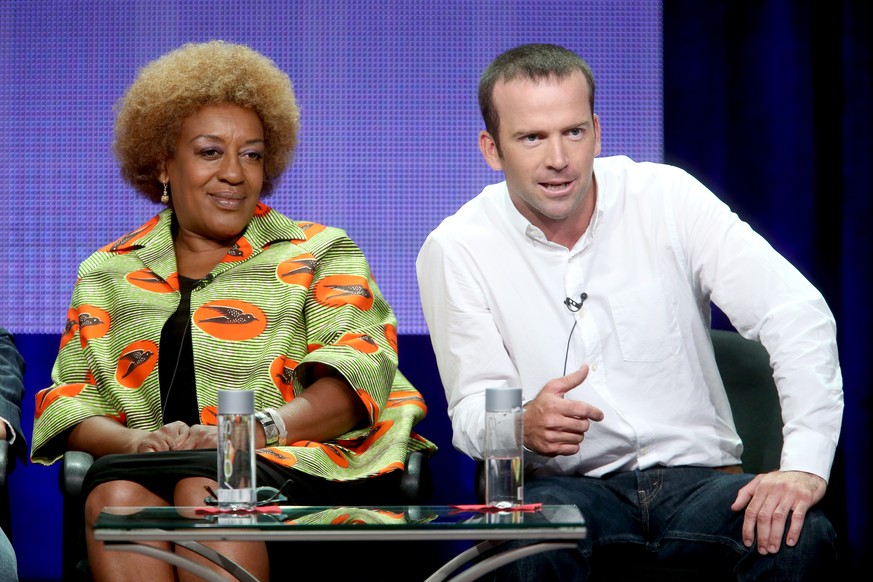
165	197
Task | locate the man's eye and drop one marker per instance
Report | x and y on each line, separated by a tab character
576	131
530	138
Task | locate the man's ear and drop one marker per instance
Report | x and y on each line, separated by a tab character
597	134
490	151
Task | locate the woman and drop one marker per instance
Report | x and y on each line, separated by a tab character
220	291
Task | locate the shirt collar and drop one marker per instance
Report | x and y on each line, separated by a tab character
153	241
517	221
602	201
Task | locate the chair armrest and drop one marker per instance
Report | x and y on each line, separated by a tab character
75	466
4	461
415	485
480	481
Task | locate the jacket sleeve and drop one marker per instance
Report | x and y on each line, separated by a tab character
349	325
70	399
11	390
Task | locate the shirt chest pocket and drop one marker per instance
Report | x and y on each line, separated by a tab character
645	323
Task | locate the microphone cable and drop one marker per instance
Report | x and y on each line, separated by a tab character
572	307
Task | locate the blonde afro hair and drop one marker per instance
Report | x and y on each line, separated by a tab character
168	90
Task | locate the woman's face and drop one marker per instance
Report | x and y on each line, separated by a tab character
216	173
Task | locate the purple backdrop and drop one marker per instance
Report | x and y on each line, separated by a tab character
388	148
389	117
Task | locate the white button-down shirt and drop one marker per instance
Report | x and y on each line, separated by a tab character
659	247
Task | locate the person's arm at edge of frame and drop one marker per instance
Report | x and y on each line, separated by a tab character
11	389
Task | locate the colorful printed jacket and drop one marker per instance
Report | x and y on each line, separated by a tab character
289	294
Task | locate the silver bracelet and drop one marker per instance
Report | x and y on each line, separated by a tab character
279	423
271	431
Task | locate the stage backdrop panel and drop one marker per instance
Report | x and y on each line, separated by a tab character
387	92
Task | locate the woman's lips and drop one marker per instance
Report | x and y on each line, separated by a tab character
228	200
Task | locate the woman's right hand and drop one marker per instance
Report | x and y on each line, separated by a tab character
100	435
165	438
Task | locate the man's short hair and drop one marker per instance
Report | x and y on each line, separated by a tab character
528	61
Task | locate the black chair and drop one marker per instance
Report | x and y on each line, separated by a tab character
4	454
745	371
74	466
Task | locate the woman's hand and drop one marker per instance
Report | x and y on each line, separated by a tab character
178	436
100	436
199	436
163	439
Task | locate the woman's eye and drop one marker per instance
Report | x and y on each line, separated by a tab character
253	155
210	153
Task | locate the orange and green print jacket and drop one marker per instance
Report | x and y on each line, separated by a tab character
287	295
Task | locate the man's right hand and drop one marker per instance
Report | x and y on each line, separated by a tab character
555	426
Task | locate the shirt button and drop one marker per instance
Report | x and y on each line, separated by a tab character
594	367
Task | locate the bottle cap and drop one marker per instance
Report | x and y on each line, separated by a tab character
236	402
502	399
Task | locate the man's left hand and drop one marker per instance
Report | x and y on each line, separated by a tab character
769	498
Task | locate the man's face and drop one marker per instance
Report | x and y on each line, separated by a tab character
549	138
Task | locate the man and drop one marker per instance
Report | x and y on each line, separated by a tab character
11	392
588	283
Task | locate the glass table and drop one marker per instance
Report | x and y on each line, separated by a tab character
547	527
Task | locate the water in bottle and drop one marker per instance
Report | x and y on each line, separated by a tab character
236	449
504	482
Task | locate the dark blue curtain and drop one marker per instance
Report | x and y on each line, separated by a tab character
769	103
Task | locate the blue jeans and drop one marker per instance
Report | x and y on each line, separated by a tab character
678	518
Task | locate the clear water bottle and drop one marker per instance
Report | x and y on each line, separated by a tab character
236	449
504	447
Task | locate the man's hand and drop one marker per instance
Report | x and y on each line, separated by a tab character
768	498
554	426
